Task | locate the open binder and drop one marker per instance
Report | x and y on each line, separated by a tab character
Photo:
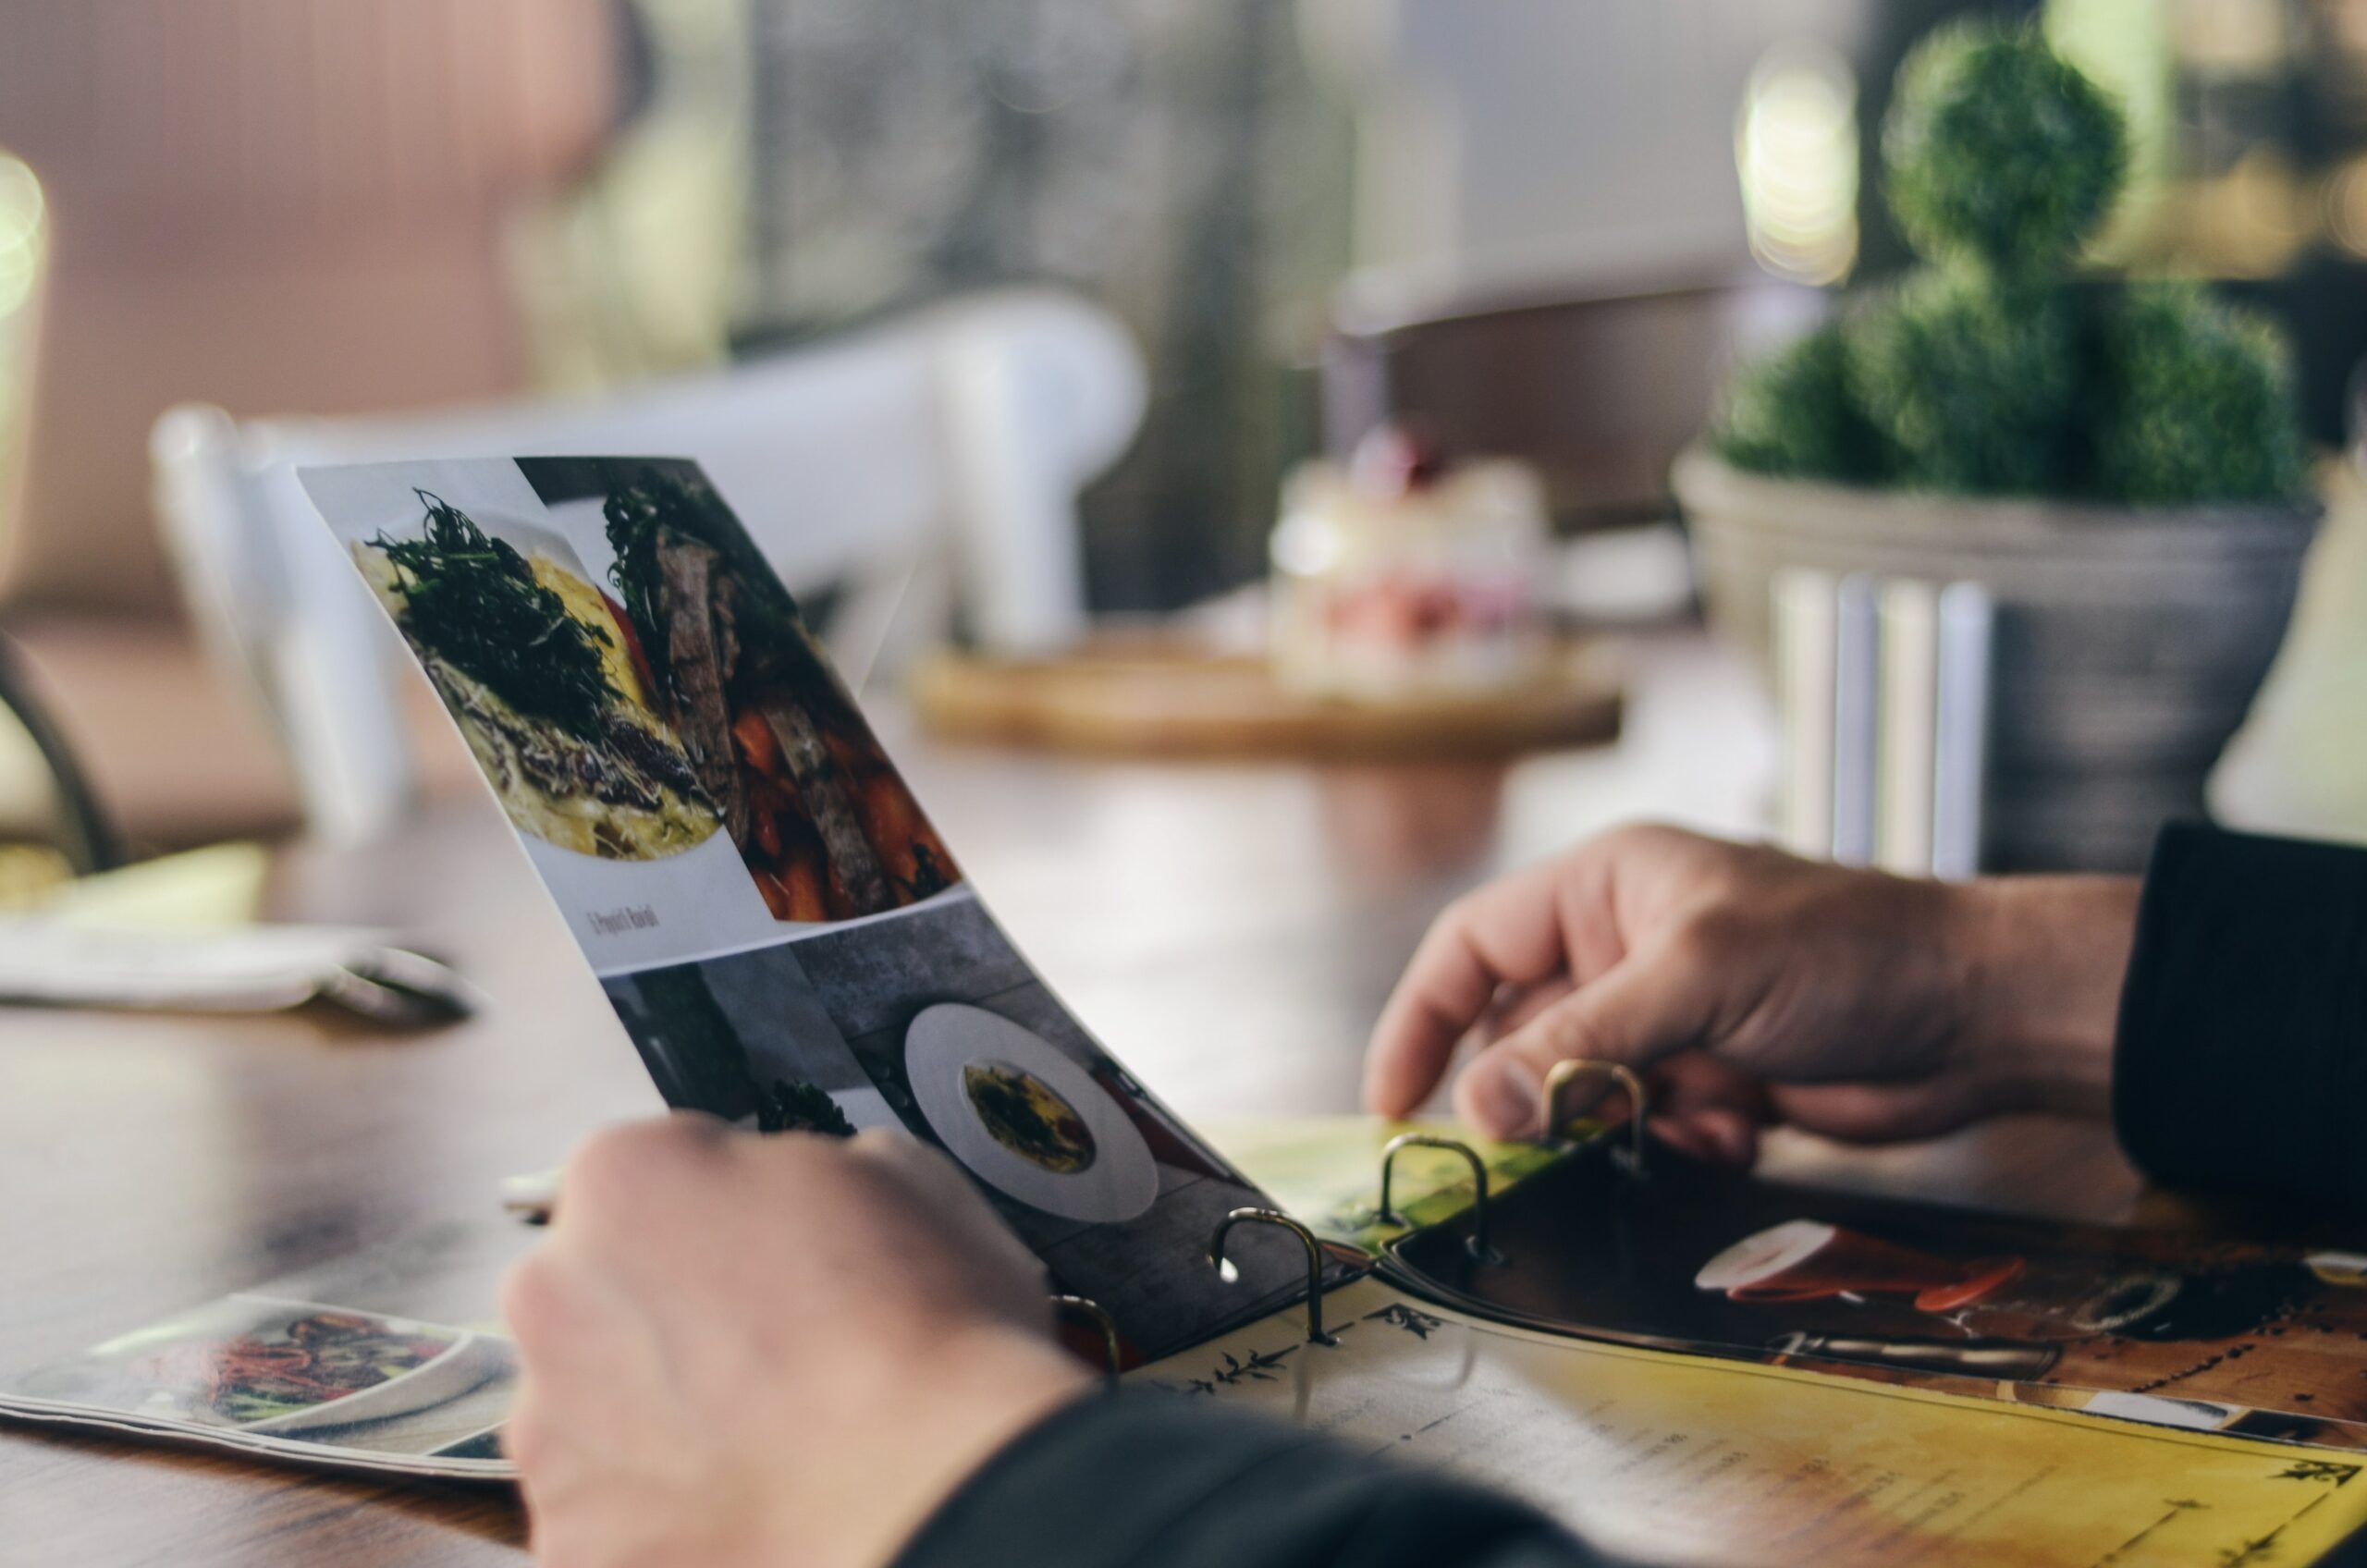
1519	1336
1684	1363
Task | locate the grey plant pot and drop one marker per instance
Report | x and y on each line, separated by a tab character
2131	641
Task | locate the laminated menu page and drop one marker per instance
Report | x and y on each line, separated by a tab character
388	1361
1676	1458
2253	1338
786	937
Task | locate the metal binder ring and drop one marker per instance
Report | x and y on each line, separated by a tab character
1477	1242
1562	1074
1315	1334
1099	1316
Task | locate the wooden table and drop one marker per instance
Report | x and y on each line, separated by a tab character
1230	931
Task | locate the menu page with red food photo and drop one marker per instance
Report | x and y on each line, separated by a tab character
2266	1338
786	938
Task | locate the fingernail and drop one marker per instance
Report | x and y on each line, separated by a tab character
1504	1099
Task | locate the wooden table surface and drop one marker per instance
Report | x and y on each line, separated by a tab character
1229	931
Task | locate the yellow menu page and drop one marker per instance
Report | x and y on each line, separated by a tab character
1685	1459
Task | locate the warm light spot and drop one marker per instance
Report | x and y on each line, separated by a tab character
20	232
2346	204
1795	150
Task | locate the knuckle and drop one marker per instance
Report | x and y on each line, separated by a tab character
1711	933
615	1166
1636	837
807	1156
881	1142
1460	915
530	1300
1566	1035
896	1158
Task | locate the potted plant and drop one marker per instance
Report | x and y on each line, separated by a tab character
2120	461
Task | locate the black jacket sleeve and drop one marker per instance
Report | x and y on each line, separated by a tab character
1144	1479
2241	1059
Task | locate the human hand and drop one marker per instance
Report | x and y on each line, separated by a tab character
1757	987
785	1350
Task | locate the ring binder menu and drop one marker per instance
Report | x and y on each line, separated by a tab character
1558	1080
1315	1334
1477	1242
1093	1312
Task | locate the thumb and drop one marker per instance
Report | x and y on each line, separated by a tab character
1640	1009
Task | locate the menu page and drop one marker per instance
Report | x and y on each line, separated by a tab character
786	938
1678	1458
2263	1338
383	1361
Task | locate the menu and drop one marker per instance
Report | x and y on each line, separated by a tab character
1676	1458
1680	1363
784	934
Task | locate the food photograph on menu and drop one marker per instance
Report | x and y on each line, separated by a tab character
786	939
633	714
259	1370
934	1024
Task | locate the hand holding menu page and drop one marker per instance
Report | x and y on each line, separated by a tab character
785	936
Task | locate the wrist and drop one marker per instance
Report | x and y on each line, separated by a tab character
947	1413
2045	957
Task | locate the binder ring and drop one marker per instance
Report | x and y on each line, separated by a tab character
1093	1312
1477	1242
1315	1334
1562	1074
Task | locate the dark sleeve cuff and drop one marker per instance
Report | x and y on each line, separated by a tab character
1148	1480
2241	1059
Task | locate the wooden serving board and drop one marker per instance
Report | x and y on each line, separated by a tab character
1137	698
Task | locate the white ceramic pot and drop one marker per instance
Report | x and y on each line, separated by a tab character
2131	641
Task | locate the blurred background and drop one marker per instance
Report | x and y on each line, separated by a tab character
1541	232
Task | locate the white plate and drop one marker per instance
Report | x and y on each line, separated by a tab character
1121	1181
471	1359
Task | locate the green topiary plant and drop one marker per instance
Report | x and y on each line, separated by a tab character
1972	384
1990	370
1793	414
2195	402
1999	152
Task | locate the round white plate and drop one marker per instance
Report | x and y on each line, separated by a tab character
1121	1181
469	1363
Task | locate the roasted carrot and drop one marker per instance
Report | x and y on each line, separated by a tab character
755	740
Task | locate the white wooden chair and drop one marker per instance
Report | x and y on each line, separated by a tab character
927	470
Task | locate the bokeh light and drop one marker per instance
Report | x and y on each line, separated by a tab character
1796	149
21	212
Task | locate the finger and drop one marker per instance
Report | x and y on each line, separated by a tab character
561	1310
1508	933
1693	1079
1684	1136
1516	1006
1720	1137
1646	1007
1708	1107
1878	1114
